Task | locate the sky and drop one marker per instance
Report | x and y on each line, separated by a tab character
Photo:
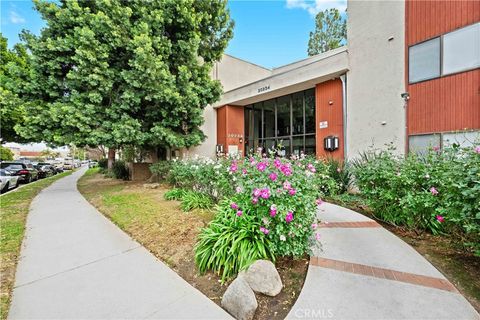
269	33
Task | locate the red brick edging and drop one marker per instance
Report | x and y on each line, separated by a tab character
356	224
381	273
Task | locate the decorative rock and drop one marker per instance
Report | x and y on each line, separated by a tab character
239	300
151	185
263	277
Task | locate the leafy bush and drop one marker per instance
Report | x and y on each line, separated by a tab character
231	243
195	200
120	170
5	154
341	174
438	191
103	163
275	200
161	169
174	194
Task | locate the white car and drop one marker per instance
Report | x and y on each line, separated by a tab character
7	181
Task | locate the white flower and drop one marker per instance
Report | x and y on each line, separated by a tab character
283	238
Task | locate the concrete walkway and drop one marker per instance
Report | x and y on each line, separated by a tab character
365	272
76	264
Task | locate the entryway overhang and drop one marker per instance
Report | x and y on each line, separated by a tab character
291	78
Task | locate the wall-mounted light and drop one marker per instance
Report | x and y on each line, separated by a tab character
405	96
391	38
240	140
330	102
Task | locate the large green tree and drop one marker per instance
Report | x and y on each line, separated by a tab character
330	32
14	79
116	73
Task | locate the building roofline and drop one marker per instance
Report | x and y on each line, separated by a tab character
315	58
246	61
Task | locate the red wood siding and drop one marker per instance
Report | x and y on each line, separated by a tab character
333	113
445	104
428	19
452	102
231	127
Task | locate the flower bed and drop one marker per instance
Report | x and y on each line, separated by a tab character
439	191
266	208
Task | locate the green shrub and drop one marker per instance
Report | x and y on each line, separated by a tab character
174	194
120	170
5	154
340	173
438	191
161	169
195	200
231	243
103	163
273	207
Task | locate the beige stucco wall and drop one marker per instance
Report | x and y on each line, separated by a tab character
375	110
232	73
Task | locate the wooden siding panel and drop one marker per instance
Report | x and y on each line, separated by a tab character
445	104
449	103
231	127
324	93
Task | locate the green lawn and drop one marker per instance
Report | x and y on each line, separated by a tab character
14	207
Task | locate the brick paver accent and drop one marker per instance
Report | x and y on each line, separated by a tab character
381	273
357	224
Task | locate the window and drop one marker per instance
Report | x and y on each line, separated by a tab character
461	49
287	122
421	143
424	60
297	112
453	52
283	116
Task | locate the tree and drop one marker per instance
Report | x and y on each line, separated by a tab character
117	73
49	154
5	154
14	76
330	32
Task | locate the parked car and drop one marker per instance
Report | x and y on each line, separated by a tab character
52	166
92	164
25	172
7	180
44	171
68	163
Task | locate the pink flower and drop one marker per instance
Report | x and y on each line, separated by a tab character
238	189
433	191
289	216
339	170
265	193
244	171
255	200
234	206
317	236
261	166
233	167
292	192
477	149
440	218
319	201
277	163
273	176
252	161
239	213
273	210
286	170
314	226
311	167
287	185
436	148
256	192
264	230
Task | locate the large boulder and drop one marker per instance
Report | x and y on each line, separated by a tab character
263	277
239	300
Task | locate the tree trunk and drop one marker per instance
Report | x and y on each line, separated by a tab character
111	158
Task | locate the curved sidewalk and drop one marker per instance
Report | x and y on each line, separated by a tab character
365	272
76	264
